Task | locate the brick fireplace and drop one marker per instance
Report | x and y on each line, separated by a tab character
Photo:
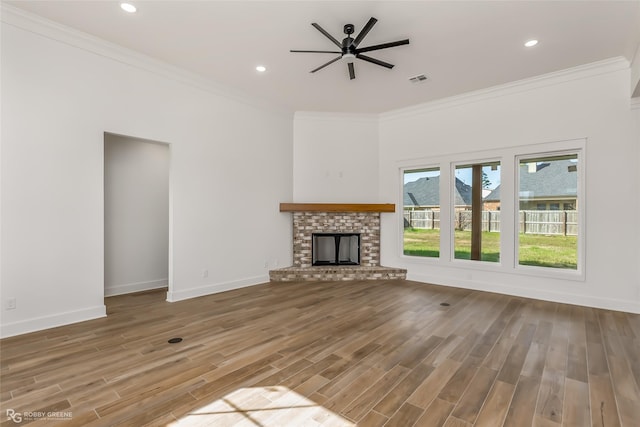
362	219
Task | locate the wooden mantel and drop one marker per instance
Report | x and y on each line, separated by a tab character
337	207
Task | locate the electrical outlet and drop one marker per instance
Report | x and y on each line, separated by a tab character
10	303
205	273
266	264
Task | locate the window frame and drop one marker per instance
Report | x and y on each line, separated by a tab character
415	167
579	272
509	158
469	162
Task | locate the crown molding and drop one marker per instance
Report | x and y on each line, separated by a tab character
52	30
544	80
327	116
35	24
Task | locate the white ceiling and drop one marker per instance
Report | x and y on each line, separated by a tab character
460	45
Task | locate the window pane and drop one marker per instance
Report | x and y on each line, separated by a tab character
422	212
548	237
485	236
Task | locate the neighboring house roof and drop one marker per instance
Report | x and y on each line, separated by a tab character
549	180
426	192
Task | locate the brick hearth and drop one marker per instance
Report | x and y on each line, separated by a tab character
335	273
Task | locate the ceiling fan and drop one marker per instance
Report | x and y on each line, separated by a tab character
349	49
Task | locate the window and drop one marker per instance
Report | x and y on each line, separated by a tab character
548	238
476	212
421	200
516	210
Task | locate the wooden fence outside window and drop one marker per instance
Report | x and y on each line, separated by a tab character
531	222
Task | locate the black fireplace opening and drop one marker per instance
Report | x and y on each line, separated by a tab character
335	248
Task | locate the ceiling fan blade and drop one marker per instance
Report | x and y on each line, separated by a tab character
383	46
327	35
352	71
328	63
315	51
365	30
374	61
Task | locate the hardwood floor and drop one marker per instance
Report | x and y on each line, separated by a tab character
330	354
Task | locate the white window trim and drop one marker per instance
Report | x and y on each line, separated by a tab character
452	251
578	273
408	168
509	198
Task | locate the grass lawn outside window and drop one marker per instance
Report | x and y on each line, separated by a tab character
540	250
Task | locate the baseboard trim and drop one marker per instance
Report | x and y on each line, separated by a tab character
53	321
214	288
559	297
129	288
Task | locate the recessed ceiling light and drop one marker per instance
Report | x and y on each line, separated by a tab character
128	7
261	68
531	43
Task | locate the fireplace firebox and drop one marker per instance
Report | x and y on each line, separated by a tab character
335	248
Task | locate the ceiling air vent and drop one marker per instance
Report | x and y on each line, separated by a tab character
417	79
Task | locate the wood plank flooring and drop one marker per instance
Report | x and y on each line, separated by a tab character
329	354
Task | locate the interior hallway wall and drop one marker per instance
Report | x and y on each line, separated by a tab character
231	165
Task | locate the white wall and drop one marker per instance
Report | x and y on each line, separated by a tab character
635	74
335	158
591	102
60	92
136	214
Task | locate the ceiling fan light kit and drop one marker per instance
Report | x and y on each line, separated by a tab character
349	49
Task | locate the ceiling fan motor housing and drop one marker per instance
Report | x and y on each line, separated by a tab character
348	46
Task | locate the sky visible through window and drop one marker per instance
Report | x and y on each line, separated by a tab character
462	174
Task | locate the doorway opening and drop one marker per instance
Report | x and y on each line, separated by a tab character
136	215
